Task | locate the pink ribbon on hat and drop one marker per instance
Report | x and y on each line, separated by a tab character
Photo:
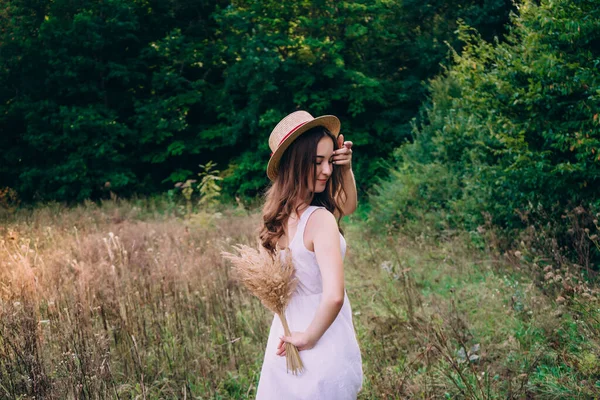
288	135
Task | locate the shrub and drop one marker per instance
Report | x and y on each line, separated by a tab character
511	127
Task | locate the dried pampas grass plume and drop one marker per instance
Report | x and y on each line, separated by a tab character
272	280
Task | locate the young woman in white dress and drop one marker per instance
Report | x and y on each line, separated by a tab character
312	188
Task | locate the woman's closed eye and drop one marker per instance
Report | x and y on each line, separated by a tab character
319	160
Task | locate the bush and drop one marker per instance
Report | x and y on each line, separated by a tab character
511	126
415	195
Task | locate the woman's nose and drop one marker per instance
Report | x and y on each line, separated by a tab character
327	169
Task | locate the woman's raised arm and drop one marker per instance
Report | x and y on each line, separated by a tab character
343	159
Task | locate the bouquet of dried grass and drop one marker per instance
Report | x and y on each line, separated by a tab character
272	281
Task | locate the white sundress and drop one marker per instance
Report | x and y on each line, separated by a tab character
333	368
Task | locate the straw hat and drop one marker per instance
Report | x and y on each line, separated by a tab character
289	128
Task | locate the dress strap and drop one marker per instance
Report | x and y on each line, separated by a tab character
299	235
307	213
304	220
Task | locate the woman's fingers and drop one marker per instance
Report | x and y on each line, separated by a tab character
343	156
343	162
294	340
301	340
340	140
343	150
291	340
280	348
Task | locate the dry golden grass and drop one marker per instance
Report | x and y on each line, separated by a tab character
271	280
95	303
268	278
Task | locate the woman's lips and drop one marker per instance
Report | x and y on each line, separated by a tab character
322	180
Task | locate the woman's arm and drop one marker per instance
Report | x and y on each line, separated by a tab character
343	159
326	238
349	201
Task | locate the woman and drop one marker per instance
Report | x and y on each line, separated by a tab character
313	187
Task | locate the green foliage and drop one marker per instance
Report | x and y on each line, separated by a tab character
95	92
208	187
450	321
514	124
416	195
139	93
208	190
362	61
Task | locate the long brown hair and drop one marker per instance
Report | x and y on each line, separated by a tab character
291	186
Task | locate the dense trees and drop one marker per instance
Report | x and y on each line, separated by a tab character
139	93
95	92
512	129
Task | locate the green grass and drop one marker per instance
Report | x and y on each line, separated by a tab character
155	314
461	298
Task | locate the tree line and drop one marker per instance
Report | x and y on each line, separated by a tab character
510	138
133	96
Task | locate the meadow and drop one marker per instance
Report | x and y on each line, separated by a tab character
132	300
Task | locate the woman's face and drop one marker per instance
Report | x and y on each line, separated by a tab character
323	163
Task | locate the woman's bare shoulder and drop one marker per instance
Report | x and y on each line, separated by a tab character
322	226
322	219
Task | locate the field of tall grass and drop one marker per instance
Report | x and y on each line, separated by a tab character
131	300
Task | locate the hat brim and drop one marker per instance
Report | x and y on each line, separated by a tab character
331	122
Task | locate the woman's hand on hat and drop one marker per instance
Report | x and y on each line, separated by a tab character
343	155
